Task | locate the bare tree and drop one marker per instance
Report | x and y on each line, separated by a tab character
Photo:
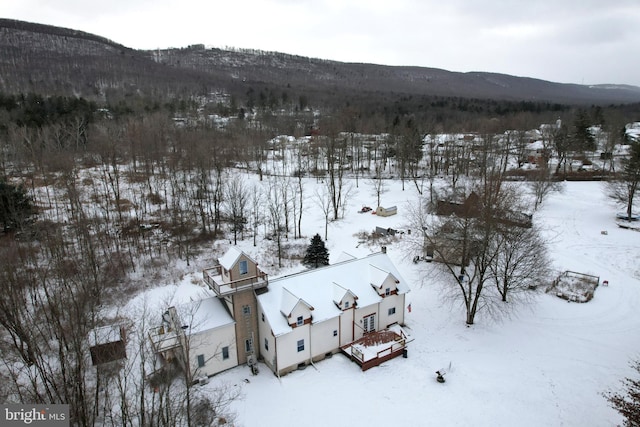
624	186
323	201
237	199
476	241
521	263
542	184
275	201
627	403
257	205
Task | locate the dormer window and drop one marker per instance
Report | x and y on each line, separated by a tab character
300	321
244	267
387	292
346	304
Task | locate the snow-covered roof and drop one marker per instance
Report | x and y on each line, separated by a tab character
317	288
205	314
339	293
104	335
230	257
379	276
290	301
345	257
536	145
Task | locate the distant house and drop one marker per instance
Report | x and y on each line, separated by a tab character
380	211
107	344
452	246
472	206
288	322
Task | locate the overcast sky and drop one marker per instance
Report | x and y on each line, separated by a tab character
568	41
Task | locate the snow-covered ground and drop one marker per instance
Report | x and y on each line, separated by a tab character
546	365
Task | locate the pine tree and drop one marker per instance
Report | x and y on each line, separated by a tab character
317	254
16	206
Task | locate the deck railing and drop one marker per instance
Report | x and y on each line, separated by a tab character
164	338
213	278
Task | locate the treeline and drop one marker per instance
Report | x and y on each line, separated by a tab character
32	110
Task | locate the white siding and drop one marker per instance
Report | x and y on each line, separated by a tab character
346	327
264	331
322	339
299	310
396	301
210	343
287	348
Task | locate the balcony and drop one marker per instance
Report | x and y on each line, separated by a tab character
213	279
164	338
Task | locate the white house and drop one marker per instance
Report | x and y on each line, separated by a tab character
355	306
308	316
200	335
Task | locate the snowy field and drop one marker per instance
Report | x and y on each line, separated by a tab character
546	365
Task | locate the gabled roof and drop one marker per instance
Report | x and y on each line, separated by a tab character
317	288
204	314
340	292
379	276
229	259
290	301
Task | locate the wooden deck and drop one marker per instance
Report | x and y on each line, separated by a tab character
377	347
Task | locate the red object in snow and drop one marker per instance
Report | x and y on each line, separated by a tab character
409	308
605	283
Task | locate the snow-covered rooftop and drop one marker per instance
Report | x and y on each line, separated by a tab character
317	288
205	314
230	257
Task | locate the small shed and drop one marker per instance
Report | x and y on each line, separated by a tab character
107	344
386	211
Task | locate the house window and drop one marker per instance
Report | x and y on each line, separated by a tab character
300	345
244	267
266	344
225	353
392	310
387	291
335	332
263	317
299	321
248	345
246	310
200	360
346	304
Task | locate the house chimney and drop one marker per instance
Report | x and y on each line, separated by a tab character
384	249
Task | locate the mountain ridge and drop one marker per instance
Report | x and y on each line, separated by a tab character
53	60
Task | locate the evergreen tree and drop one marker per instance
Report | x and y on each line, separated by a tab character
317	254
581	137
15	205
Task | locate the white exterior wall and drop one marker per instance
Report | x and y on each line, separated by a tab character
210	343
346	327
299	310
322	339
347	298
287	348
396	301
388	283
362	312
264	331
